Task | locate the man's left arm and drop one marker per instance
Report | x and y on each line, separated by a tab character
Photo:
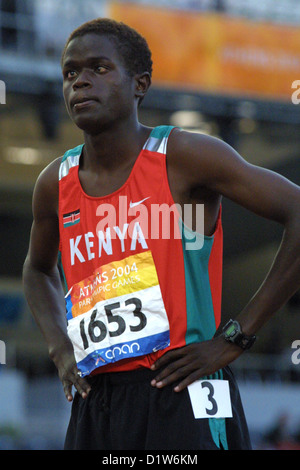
267	194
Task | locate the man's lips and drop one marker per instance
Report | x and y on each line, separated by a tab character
83	102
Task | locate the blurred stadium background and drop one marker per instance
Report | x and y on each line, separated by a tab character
225	68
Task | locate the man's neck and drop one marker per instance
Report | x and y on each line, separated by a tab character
110	149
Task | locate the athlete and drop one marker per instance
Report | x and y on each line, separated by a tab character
135	326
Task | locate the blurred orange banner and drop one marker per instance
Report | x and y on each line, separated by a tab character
215	53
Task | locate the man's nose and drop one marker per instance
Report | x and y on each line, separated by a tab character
83	80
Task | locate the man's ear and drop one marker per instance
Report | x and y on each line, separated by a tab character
143	82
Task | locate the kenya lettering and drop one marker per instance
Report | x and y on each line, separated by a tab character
82	248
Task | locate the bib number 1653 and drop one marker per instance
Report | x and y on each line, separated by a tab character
95	330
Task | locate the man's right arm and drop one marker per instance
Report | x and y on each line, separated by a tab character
42	284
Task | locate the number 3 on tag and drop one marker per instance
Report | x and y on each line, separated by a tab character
210	399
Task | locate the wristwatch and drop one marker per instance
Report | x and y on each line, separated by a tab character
232	333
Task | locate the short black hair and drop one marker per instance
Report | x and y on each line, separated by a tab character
131	45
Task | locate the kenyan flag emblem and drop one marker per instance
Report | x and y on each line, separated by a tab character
71	218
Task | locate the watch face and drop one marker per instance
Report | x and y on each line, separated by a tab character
230	331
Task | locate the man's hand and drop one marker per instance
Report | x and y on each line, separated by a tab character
193	362
68	372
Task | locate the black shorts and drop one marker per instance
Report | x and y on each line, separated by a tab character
124	412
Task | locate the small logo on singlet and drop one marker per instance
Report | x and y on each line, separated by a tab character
134	204
71	218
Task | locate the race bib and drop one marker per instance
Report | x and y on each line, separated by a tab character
210	399
117	313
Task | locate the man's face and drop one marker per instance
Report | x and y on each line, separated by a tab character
97	89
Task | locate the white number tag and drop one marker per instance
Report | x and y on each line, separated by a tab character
210	399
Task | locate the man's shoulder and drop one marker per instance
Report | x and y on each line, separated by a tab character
182	140
51	171
193	151
46	186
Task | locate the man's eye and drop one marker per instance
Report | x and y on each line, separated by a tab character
70	74
100	69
